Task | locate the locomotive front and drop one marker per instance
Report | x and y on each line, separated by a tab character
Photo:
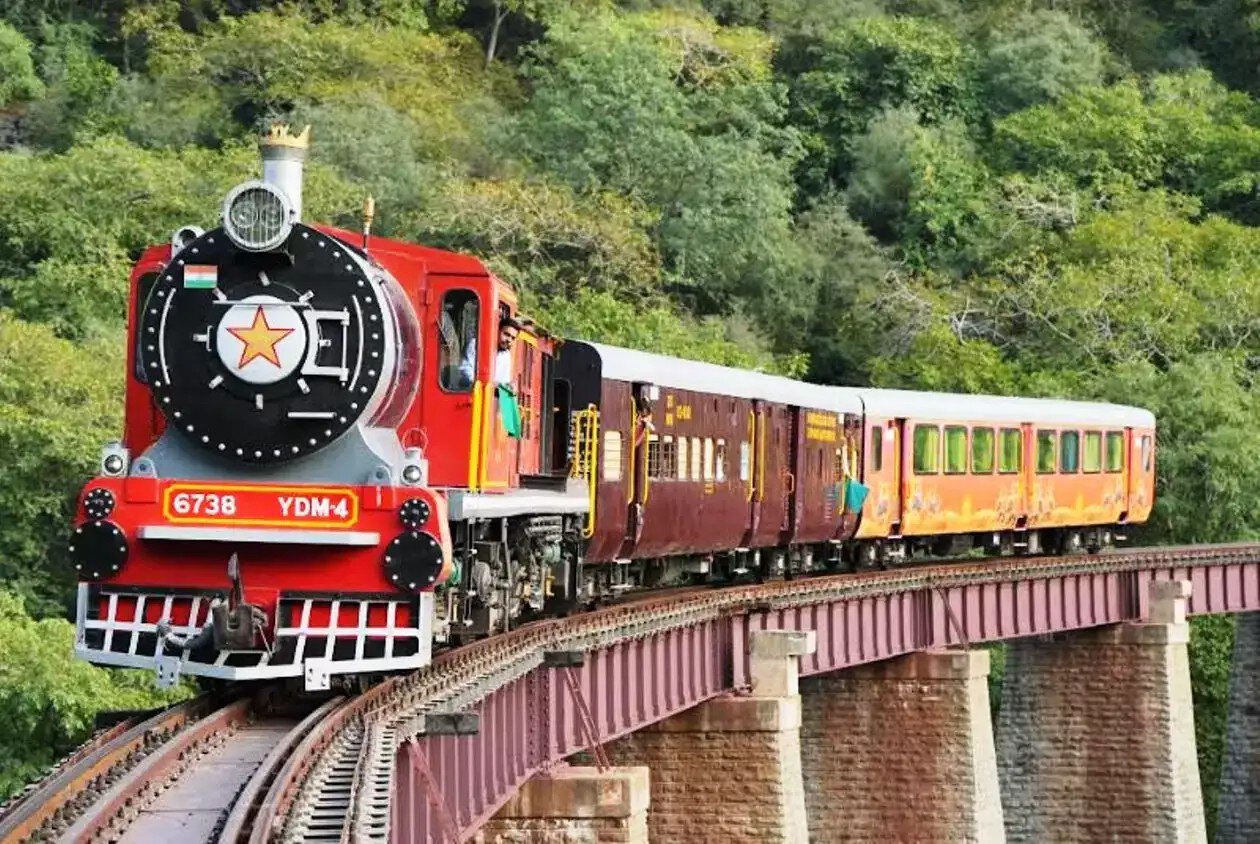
270	522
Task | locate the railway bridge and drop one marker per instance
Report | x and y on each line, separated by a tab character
846	707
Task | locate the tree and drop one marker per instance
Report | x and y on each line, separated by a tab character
58	405
17	72
1037	57
48	699
1181	131
680	115
869	65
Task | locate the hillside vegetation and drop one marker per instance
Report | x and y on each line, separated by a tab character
1050	198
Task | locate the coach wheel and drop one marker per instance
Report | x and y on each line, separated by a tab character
1072	542
868	556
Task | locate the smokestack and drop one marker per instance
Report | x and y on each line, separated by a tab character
283	155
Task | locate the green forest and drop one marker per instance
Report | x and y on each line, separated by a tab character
1037	197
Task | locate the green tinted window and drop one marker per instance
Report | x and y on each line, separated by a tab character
981	451
1091	460
955	451
1045	451
927	449
1115	451
1069	452
1012	451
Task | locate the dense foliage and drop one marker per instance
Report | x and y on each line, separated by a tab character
1017	196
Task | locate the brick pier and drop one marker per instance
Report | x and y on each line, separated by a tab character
1239	818
1095	737
902	750
729	770
574	804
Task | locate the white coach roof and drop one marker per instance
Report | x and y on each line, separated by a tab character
910	404
631	365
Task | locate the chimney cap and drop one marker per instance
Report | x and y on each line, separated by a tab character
280	136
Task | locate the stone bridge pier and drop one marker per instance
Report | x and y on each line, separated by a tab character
1094	742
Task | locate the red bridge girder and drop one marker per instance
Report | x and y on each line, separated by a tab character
445	787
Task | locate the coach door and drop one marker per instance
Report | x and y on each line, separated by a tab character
794	478
751	462
641	445
770	470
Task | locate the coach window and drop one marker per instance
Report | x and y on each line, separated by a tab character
927	449
720	457
955	450
1069	452
682	458
981	451
745	460
612	455
457	338
1012	451
1045	452
877	448
1115	451
708	459
654	456
695	458
669	458
1091	460
1146	452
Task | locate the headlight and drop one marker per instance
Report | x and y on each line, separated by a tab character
257	216
114	460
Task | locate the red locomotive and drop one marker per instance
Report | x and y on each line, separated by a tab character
341	449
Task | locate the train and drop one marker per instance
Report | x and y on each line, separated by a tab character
342	451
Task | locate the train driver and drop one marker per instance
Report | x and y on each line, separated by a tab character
509	329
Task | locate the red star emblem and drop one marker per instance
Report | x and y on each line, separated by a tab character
260	340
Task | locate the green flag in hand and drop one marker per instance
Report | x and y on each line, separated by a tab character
509	412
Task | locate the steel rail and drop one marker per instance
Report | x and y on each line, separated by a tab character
98	763
127	796
240	821
462	677
282	791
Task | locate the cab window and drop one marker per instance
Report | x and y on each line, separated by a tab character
927	449
457	339
1115	451
982	451
955	450
1045	452
1012	451
1069	452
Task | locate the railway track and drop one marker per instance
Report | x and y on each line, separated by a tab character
238	771
198	771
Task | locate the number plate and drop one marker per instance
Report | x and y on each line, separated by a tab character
260	506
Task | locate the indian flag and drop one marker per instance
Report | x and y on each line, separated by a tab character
201	276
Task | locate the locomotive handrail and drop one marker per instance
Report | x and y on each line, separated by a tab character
585	439
474	438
